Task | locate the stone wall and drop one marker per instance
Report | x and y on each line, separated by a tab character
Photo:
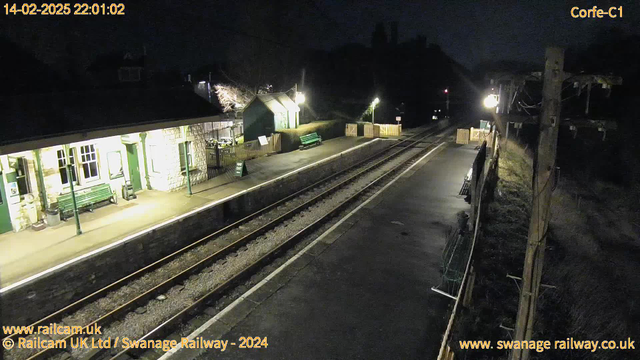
164	151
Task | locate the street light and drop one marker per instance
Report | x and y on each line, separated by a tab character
446	91
491	101
300	99
373	110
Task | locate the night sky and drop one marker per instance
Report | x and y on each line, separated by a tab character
191	33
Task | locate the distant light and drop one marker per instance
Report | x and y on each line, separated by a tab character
491	101
446	91
300	98
202	82
375	102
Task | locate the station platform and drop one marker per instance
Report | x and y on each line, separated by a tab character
362	289
28	253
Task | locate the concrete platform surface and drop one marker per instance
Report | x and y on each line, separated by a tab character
363	290
27	253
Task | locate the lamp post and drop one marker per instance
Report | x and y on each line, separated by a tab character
186	166
300	99
183	129
373	110
73	194
446	91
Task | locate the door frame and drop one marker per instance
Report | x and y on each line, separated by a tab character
134	174
5	221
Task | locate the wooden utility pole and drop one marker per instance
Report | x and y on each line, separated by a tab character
543	172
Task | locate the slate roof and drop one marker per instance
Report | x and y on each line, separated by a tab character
277	102
31	117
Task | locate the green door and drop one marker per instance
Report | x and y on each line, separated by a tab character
134	168
5	219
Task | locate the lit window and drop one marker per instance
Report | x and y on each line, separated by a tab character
22	170
114	161
62	167
89	161
181	152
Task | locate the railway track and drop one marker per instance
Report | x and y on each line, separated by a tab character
231	243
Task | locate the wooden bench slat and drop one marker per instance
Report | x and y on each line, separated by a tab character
310	139
85	197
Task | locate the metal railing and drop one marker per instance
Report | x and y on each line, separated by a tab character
478	202
225	158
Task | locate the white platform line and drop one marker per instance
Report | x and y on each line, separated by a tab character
147	230
229	307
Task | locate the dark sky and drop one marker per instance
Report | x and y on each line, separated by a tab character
475	31
190	33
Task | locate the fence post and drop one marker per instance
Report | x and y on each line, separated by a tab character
217	148
468	291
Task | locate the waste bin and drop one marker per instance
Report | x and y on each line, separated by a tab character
53	217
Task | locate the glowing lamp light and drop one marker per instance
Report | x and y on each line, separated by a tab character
491	101
375	102
446	91
300	98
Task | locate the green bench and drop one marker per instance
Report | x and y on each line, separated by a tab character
85	198
310	140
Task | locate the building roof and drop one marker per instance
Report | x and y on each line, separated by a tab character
276	102
42	116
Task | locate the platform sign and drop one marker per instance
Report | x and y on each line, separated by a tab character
398	118
13	189
263	140
241	169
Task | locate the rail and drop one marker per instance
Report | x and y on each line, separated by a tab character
105	319
168	325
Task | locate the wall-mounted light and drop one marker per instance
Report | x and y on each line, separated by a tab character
300	98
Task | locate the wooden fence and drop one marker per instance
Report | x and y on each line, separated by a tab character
225	158
381	130
351	130
390	130
462	136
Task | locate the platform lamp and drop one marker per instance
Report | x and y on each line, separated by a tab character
185	145
446	91
70	173
491	101
373	110
299	100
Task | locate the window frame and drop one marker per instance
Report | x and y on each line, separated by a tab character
189	149
152	158
119	174
22	164
63	168
86	159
